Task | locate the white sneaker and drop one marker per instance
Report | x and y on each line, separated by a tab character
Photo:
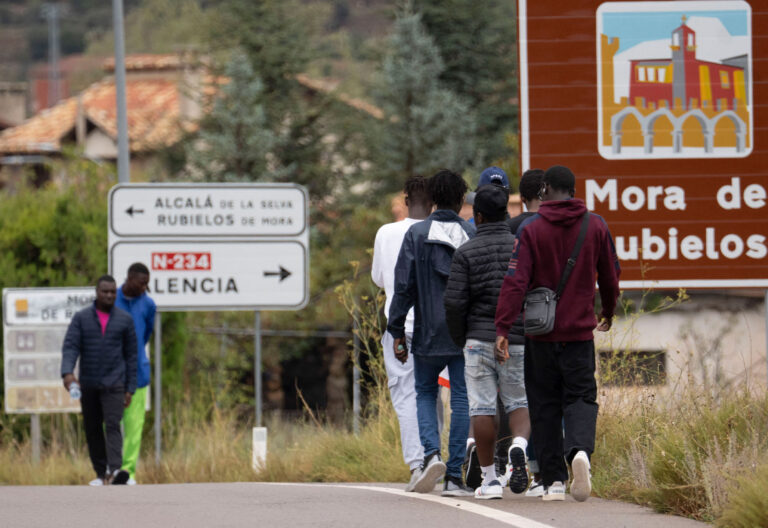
492	490
581	485
415	474
433	470
131	482
536	489
555	492
96	482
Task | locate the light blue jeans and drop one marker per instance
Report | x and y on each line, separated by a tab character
486	378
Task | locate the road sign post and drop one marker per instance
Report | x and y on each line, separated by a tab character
214	247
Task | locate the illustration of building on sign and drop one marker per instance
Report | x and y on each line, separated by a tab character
686	95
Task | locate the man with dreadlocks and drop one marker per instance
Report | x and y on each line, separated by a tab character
386	248
421	274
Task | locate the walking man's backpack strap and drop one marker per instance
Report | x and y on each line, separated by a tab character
541	303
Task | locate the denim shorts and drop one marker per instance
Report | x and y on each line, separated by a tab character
487	378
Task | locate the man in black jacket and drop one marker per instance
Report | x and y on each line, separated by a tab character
477	273
104	339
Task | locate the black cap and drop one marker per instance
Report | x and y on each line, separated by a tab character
491	200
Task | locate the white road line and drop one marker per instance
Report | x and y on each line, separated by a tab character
497	515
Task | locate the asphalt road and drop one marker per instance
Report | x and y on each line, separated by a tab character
298	505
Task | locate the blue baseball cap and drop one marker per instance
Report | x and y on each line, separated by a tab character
494	175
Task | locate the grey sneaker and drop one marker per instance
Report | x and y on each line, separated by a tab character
432	470
455	487
581	485
415	474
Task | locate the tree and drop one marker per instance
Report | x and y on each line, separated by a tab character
477	41
234	140
426	126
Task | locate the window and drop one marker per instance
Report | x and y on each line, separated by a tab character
690	40
627	368
641	74
725	79
676	39
662	74
651	74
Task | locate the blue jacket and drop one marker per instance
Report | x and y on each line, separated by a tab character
142	309
107	360
421	274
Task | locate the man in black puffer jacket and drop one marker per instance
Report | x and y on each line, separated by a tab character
102	336
477	273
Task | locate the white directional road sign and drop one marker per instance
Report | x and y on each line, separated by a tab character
214	246
35	321
231	275
153	210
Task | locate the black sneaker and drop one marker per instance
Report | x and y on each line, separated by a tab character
473	474
518	476
454	487
432	470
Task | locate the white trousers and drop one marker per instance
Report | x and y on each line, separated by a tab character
403	393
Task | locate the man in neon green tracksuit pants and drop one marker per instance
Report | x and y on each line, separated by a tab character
132	297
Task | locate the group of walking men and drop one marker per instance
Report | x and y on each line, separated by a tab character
109	339
455	293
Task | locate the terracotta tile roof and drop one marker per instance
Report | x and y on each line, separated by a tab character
43	132
153	117
148	62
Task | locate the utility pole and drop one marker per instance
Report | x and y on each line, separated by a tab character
123	152
52	13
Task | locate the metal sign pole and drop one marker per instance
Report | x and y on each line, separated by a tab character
356	377
257	364
158	386
35	433
123	152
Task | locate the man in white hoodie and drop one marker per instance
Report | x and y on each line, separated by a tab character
389	239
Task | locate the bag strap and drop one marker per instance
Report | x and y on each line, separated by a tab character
575	253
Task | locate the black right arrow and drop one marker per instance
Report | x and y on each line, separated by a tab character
131	211
283	273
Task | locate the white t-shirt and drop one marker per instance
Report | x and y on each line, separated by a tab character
386	248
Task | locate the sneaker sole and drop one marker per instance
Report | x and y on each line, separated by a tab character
518	480
581	487
490	496
553	497
457	493
474	476
428	479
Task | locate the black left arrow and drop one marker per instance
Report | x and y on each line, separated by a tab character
283	273
131	211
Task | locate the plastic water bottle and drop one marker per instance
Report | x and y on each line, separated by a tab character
74	390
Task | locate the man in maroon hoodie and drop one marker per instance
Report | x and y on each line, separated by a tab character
560	366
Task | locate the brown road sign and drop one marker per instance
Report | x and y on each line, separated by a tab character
659	109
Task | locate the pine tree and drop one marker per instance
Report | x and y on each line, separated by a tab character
426	126
234	140
477	41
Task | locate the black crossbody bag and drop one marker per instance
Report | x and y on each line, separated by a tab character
541	303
